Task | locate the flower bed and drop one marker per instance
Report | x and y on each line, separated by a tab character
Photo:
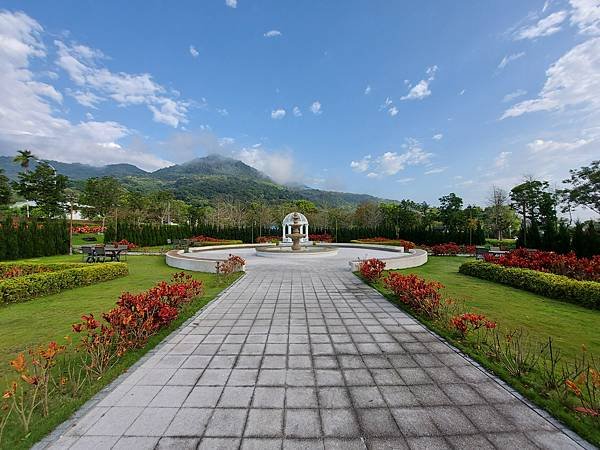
130	245
267	239
568	387
202	241
44	279
408	245
88	229
450	249
584	269
48	377
584	293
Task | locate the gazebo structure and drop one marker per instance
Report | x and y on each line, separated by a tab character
287	227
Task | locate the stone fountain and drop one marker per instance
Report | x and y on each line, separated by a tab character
295	235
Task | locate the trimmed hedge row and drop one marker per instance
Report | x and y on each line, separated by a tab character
31	268
583	293
67	276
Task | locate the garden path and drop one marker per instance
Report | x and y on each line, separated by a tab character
305	355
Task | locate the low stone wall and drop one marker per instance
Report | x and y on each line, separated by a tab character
182	260
416	258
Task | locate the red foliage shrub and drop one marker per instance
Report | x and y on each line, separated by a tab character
470	249
89	229
464	323
137	317
267	239
202	238
449	248
230	265
130	245
421	295
586	269
408	245
320	237
371	269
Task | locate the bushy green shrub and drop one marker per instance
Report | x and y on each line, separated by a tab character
583	293
63	276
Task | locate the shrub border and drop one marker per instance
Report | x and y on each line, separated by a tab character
582	293
66	276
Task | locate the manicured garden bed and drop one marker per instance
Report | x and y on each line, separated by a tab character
522	322
584	293
27	325
20	282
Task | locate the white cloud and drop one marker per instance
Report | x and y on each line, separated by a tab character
540	145
390	163
435	170
572	81
279	165
501	160
278	113
368	89
362	165
87	98
28	120
405	180
585	15
462	92
296	111
225	141
82	64
515	94
437	137
544	27
510	58
223	112
231	3
193	51
272	33
421	89
315	108
393	111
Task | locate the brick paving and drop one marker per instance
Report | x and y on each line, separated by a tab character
307	360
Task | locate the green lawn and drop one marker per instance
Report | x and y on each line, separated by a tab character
41	320
569	325
38	321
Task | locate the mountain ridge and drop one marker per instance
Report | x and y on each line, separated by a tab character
200	180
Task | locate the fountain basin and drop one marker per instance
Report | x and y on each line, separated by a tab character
287	252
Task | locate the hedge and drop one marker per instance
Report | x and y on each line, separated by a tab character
583	293
64	276
21	238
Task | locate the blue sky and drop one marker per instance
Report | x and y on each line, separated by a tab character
396	99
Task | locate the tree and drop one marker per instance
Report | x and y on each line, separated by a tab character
451	212
585	187
102	196
45	187
5	190
24	158
498	212
526	198
367	215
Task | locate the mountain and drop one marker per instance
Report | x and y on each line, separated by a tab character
200	180
75	171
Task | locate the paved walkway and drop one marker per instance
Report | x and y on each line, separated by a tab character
307	360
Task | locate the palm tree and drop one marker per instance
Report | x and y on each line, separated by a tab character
24	158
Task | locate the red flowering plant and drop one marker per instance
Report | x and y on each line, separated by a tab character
138	316
408	245
232	264
130	245
267	239
202	238
371	269
98	345
468	322
421	295
586	269
449	248
88	229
